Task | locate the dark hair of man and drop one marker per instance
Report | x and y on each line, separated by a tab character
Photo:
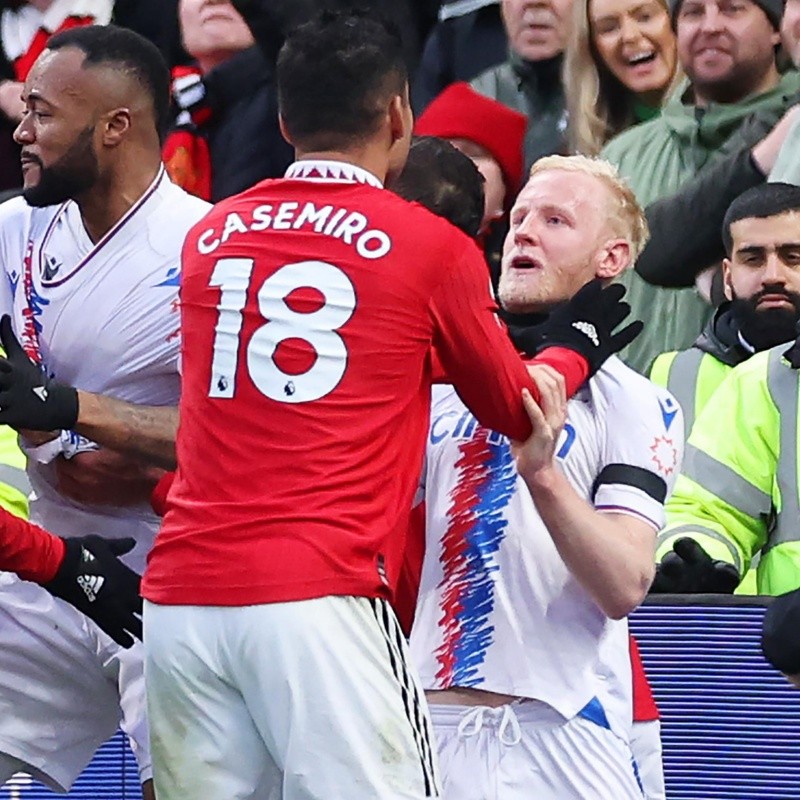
445	181
760	202
123	49
336	75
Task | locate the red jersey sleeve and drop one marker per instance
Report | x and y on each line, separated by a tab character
30	551
476	354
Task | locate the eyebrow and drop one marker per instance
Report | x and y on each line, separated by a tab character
634	10
36	97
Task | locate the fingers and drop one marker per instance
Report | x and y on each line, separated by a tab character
626	335
134	625
690	551
534	411
10	343
553	395
121	546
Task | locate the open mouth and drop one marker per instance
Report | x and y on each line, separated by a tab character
523	262
642	58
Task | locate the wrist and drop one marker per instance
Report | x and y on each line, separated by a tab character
543	480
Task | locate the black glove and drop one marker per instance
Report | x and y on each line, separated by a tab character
688	569
792	355
28	398
96	582
584	324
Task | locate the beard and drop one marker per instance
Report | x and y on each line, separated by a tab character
71	175
768	327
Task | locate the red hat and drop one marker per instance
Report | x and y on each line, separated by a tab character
460	112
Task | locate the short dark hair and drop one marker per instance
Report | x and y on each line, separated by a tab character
128	51
334	75
760	202
445	181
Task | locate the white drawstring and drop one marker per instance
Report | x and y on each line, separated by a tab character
508	731
473	717
509	721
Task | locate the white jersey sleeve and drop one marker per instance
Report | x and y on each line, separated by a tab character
642	449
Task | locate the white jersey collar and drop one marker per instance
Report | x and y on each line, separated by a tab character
331	172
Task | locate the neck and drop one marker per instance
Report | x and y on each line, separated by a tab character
736	91
207	61
652	99
367	158
106	203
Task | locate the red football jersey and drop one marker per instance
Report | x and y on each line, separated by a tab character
310	306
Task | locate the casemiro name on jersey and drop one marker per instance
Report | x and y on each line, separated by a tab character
352	227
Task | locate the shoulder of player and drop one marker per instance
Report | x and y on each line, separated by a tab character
182	205
627	394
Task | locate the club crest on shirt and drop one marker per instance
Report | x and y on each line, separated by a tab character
665	454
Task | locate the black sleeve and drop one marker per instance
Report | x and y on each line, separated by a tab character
686	228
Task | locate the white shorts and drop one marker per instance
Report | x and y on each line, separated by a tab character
65	687
528	750
647	752
305	700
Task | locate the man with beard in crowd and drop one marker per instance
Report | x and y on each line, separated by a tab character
715	527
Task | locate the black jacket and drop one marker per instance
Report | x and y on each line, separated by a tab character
686	228
243	137
720	338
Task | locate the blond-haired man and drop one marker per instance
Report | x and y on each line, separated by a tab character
520	633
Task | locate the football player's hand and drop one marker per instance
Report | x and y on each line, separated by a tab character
537	452
585	324
96	582
28	398
688	569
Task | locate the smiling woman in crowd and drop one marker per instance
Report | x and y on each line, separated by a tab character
620	65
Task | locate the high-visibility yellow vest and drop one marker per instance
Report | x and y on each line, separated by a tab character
738	493
14	485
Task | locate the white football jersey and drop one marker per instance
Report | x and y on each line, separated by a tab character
498	609
102	317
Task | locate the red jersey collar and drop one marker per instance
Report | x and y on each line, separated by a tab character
331	172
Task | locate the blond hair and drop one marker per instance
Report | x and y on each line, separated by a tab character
626	216
598	105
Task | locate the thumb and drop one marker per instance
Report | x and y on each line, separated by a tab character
10	342
121	546
626	335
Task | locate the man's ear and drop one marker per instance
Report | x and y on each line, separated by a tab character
284	132
727	282
398	118
615	257
116	126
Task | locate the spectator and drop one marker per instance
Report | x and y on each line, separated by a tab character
619	65
530	78
762	293
755	151
492	135
737	495
24	31
762	284
468	39
730	59
226	136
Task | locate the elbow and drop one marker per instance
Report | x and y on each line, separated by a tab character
626	599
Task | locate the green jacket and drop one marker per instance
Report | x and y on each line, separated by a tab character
657	157
738	493
534	88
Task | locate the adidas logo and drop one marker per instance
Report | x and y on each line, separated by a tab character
91	585
588	330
